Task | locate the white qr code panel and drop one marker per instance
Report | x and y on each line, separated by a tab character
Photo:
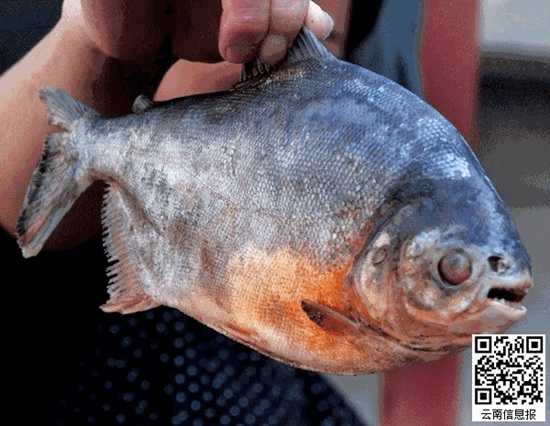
508	378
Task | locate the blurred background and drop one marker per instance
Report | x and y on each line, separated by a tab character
513	124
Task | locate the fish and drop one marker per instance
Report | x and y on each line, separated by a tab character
316	212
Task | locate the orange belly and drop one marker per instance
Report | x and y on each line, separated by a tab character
261	306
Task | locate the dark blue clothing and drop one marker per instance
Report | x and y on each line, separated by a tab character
72	364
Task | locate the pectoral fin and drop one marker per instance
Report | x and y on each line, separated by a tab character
329	319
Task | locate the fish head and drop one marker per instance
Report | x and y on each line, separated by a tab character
444	262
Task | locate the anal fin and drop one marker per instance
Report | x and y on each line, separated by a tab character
126	285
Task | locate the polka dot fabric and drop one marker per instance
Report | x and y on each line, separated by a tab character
161	367
72	364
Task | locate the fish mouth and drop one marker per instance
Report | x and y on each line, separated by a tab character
511	297
507	295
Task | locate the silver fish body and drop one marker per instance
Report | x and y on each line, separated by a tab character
318	213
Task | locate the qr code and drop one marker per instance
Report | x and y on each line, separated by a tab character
508	377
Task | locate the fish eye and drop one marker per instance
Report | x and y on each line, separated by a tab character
455	267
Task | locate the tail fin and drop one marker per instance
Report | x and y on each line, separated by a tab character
56	182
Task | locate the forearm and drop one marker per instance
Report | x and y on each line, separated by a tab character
65	59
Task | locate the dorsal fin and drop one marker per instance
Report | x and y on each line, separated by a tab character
306	46
254	68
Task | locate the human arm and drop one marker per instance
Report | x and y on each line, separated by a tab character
105	54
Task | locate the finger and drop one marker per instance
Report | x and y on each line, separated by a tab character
285	20
243	26
318	21
287	17
194	30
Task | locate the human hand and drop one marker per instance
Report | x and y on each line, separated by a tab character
206	31
267	28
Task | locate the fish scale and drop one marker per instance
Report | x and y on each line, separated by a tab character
316	212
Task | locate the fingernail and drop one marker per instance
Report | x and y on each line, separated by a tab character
273	49
329	26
